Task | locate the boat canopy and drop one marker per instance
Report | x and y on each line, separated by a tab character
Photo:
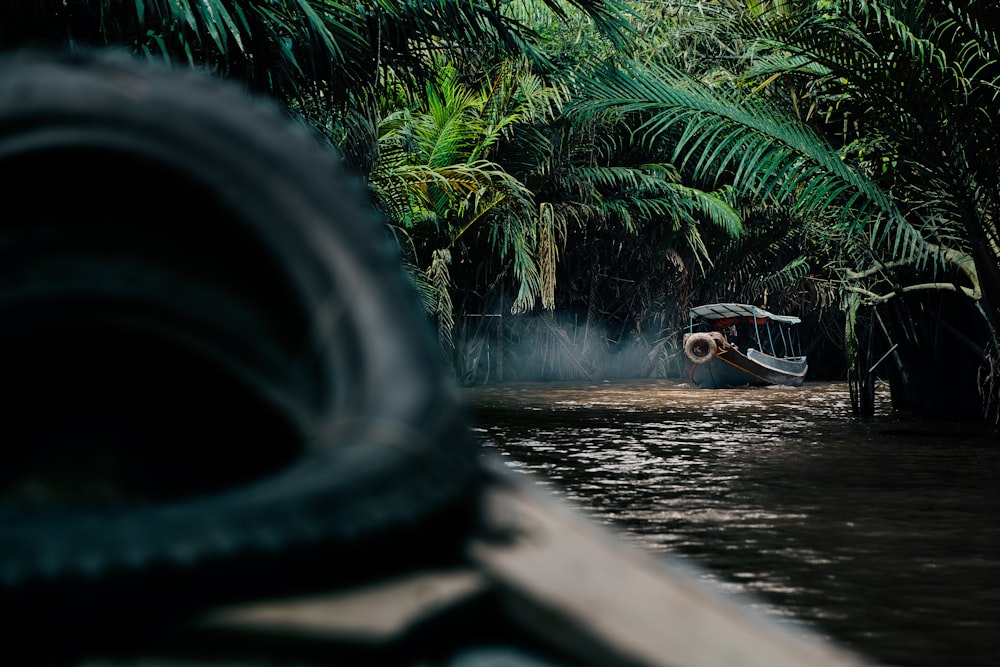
738	312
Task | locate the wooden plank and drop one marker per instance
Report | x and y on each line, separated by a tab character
578	585
379	613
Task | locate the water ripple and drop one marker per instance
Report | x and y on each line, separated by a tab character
880	532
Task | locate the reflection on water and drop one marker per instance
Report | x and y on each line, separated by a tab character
880	533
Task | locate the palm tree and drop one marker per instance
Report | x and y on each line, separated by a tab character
909	92
435	178
450	151
882	134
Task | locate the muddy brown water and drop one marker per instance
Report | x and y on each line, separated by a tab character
881	534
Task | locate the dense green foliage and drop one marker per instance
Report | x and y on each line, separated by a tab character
583	172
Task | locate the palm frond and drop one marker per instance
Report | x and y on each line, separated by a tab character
439	279
766	153
516	239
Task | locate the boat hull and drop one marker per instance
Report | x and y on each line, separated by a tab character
731	368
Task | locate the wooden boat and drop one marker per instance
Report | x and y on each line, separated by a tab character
734	344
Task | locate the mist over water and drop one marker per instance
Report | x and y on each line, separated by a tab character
881	534
561	346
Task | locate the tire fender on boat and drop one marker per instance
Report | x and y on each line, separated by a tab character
700	347
205	301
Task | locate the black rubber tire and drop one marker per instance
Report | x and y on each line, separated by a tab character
700	347
192	291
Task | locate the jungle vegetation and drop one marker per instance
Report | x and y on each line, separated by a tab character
565	178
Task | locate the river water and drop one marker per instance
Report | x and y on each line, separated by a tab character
881	534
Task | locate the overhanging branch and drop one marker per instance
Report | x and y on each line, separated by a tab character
956	259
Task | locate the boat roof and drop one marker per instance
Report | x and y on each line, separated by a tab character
722	311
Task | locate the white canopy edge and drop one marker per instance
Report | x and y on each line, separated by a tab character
721	311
